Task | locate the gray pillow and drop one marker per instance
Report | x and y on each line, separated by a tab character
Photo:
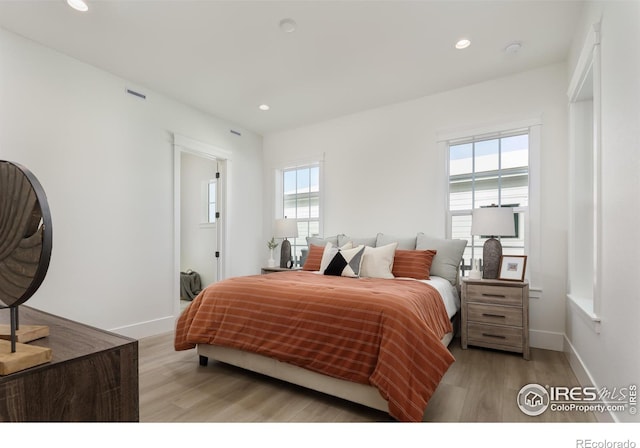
344	239
317	241
403	243
446	263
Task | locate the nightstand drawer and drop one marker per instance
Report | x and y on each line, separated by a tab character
490	335
500	295
495	314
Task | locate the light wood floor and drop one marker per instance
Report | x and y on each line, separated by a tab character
481	386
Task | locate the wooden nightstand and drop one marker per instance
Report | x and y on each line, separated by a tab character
495	314
267	270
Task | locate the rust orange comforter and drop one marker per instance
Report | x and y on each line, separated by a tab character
381	332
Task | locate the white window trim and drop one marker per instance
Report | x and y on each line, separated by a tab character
291	164
183	144
532	240
279	188
205	201
589	60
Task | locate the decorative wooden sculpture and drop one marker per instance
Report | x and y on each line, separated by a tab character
25	251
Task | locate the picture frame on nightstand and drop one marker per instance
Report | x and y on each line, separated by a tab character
512	267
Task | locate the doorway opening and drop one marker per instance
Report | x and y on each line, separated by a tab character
200	198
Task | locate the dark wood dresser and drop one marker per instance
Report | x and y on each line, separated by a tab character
93	376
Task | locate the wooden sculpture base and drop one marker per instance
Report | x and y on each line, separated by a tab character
26	333
24	357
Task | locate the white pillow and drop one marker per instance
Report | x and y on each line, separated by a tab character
377	262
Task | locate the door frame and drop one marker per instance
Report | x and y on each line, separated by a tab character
182	144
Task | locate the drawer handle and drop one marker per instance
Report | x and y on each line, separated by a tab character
494	315
497	336
494	295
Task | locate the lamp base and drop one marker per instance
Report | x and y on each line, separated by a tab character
285	254
491	253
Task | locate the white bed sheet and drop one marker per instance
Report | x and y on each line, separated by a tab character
448	292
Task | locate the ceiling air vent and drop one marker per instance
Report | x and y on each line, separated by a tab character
138	94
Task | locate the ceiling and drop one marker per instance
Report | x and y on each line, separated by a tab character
228	57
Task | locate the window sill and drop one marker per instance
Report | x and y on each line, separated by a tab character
584	308
207	225
535	292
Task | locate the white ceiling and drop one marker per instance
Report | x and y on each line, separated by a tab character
228	57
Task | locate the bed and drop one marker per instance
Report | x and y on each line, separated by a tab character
380	342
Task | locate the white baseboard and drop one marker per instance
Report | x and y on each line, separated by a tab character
547	340
584	377
148	328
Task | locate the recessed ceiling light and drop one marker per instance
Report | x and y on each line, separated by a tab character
513	48
78	5
288	25
264	107
462	44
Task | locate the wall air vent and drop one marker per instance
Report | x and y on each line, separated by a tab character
138	94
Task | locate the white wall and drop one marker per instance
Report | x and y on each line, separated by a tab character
610	358
105	160
385	172
198	238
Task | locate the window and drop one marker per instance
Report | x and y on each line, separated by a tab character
301	201
484	172
211	201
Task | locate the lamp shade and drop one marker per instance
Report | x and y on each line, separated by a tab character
286	228
493	221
